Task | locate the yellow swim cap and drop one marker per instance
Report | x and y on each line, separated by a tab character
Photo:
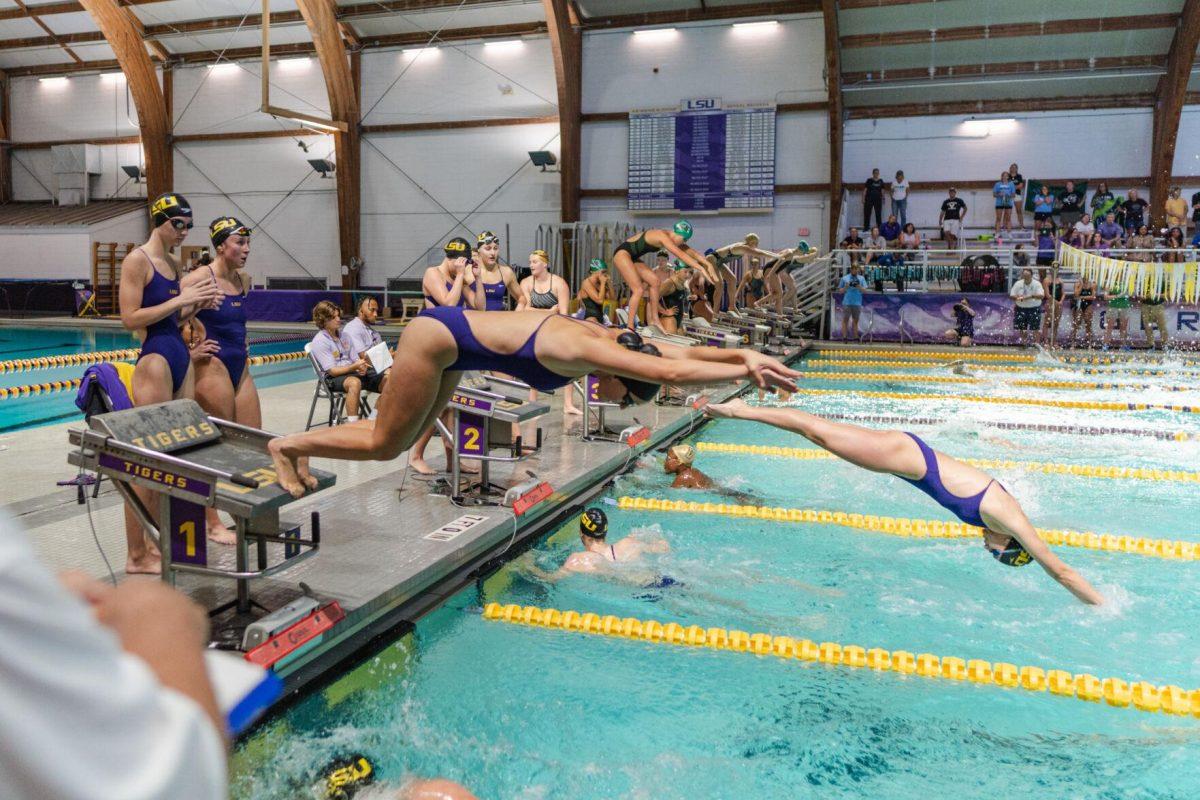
683	453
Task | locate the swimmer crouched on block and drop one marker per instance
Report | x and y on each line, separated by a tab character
970	494
443	342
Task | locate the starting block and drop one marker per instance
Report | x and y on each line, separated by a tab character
193	461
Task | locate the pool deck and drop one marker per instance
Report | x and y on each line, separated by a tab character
375	557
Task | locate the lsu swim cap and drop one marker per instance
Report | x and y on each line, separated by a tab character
487	237
458	247
222	228
593	522
169	205
542	255
684	229
1014	555
596	265
345	776
683	453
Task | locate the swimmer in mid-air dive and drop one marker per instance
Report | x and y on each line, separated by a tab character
970	494
443	342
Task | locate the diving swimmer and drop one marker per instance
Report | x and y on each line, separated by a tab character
970	494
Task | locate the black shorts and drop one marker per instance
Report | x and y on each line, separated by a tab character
1028	319
1038	216
372	381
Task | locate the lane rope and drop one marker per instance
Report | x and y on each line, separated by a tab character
947	355
1094	405
902	364
1170	549
1047	467
74	359
1077	430
1116	692
1040	383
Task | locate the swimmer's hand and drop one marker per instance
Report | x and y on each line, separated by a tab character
768	372
727	410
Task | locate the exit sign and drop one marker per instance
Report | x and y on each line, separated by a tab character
804	232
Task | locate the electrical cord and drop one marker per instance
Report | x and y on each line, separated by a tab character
87	501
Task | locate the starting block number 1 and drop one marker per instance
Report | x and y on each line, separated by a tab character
189	544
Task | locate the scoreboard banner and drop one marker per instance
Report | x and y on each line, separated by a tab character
702	158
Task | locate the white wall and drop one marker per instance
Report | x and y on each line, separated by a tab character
780	64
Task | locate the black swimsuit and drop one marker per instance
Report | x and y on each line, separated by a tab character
636	249
1086	298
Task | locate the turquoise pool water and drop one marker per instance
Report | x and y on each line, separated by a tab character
45	409
520	712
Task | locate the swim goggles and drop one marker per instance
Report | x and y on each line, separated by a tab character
181	223
487	237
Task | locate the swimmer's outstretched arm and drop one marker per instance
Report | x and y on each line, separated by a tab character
710	365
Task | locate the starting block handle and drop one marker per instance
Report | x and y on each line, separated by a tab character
242	480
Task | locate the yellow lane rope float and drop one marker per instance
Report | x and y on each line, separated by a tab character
1094	405
938	355
902	364
46	387
1047	467
1118	359
922	528
1075	430
1116	692
44	362
1040	383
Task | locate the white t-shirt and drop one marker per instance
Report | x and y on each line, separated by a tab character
900	189
80	717
1086	228
1027	295
360	336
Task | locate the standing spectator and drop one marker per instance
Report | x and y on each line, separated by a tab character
1027	294
853	245
1043	205
851	286
1004	190
1070	209
1045	245
1135	209
964	324
1141	245
1014	175
950	220
909	238
1153	314
1052	287
1084	300
1102	202
1177	209
1173	242
900	197
873	199
1117	315
890	231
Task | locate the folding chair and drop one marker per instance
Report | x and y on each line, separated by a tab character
337	400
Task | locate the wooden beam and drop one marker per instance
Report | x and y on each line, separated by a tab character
322	23
50	34
833	82
456	124
566	43
6	190
350	36
47	9
857	4
1009	30
154	118
682	15
1169	96
886	77
228	136
968	107
46	144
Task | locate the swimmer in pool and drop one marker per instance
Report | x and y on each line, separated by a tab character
679	462
443	342
599	555
970	494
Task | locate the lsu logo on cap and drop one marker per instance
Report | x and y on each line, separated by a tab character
456	246
165	203
225	224
587	523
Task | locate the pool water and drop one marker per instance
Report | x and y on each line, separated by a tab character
523	712
45	409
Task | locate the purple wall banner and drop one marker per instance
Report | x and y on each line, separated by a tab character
927	316
294	305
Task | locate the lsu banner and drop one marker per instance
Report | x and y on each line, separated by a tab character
1178	283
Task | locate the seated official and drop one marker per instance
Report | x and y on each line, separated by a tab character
362	337
343	370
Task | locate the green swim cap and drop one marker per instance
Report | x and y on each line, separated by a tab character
684	229
803	246
678	265
597	265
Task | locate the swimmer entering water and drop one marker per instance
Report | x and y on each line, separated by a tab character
970	494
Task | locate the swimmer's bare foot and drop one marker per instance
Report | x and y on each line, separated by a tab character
419	466
466	468
144	565
305	476
572	410
217	532
285	468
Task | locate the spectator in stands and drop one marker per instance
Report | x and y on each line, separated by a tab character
1196	211
1070	201
1004	190
1118	315
1196	238
909	239
1135	209
1141	245
1176	209
954	210
877	246
1102	202
1084	301
1027	295
890	231
964	324
900	197
1045	244
873	199
1085	230
1019	257
853	245
342	369
851	287
1173	242
1155	316
362	337
1014	175
1110	232
109	679
1043	205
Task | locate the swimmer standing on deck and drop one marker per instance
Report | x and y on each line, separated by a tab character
970	494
